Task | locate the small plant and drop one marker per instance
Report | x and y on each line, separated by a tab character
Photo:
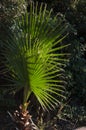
34	61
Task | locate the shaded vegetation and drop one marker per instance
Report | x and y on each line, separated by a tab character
72	113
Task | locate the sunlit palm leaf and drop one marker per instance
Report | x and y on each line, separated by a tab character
32	58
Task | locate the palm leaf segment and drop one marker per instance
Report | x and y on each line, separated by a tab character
32	56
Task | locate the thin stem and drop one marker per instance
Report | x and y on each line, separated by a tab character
27	93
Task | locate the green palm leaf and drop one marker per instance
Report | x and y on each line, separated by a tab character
32	58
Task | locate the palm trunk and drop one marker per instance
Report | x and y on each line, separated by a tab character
22	120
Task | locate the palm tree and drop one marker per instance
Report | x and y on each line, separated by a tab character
34	60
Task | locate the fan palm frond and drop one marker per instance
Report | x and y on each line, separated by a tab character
34	58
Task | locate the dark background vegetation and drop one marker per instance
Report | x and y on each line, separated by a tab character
74	13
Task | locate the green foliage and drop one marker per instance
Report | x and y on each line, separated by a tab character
77	66
74	113
33	56
10	9
75	14
76	73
